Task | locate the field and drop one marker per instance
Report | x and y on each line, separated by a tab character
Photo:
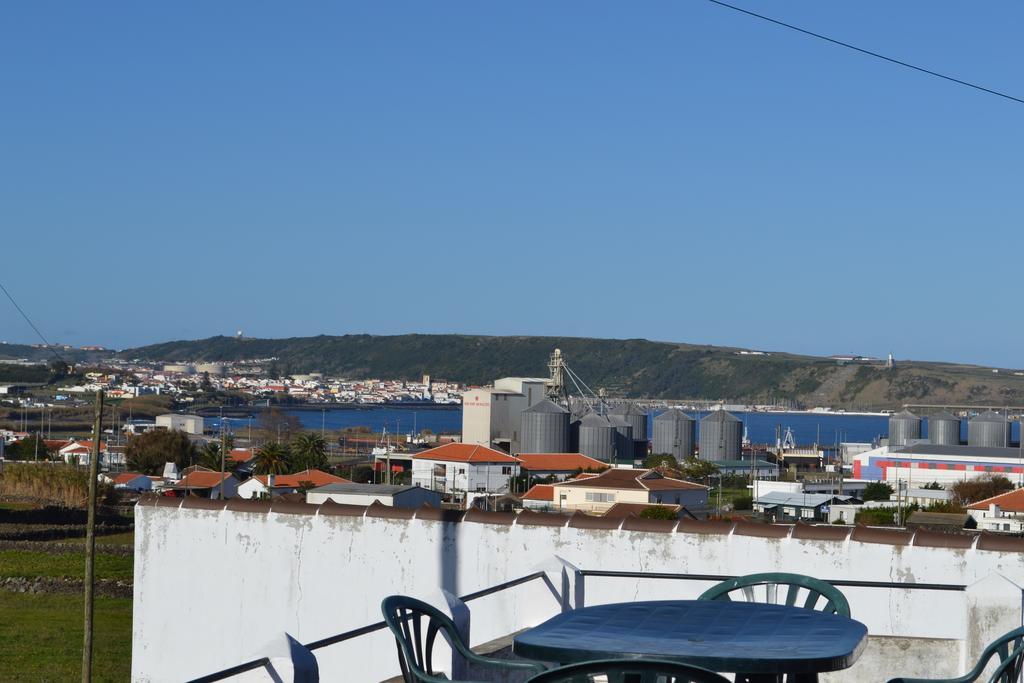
41	632
42	638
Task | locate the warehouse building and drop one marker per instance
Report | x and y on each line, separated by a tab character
492	416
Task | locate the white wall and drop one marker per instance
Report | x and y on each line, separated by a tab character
314	576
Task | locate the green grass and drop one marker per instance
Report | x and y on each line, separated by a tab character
42	638
17	506
29	563
125	538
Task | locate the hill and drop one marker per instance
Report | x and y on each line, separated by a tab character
624	367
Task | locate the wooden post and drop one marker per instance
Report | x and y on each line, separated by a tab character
90	539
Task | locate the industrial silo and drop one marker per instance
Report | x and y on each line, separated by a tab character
597	438
545	428
904	427
944	429
624	448
988	430
674	433
638	420
721	436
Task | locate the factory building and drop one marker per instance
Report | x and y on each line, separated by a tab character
923	463
637	420
492	416
173	422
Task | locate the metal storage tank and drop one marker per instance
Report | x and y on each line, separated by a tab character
624	448
988	430
674	433
721	436
544	428
597	438
903	428
944	429
638	420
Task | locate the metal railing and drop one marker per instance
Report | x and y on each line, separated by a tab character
578	602
361	631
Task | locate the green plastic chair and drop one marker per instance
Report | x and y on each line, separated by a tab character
629	671
415	625
1009	648
816	589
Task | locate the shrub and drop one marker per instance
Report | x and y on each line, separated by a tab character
658	512
744	502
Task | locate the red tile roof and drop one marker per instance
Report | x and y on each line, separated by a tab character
240	454
559	462
545	492
640	480
127	477
202	479
314	477
465	452
1010	502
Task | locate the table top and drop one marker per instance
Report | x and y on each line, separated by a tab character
720	635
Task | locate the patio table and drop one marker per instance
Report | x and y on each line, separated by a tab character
760	642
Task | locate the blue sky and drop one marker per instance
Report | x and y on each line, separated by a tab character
666	170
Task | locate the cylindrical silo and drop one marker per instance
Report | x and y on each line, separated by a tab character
597	438
903	428
988	430
721	436
638	420
944	429
624	449
545	428
674	433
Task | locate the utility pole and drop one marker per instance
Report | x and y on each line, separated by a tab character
90	539
223	453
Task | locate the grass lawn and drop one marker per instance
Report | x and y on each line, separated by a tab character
17	506
42	638
29	563
125	538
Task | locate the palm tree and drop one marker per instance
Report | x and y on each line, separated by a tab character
274	458
309	451
209	457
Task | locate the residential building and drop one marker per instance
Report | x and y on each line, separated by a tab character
596	494
540	497
349	493
779	506
199	481
271	485
1004	512
561	466
130	481
459	468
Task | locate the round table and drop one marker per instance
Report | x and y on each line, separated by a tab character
744	637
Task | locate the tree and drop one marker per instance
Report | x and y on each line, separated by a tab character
309	452
658	512
986	486
28	449
277	425
209	457
934	486
274	458
661	460
695	468
147	453
877	490
743	502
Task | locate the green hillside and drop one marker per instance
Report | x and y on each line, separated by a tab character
626	367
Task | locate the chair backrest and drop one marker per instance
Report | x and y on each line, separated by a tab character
415	625
1010	649
815	591
629	671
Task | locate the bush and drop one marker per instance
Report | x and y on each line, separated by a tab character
744	502
658	512
877	491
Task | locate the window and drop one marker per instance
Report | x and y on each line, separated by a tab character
462	470
506	470
600	497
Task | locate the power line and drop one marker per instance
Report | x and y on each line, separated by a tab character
866	52
32	324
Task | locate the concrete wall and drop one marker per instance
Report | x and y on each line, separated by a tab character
314	575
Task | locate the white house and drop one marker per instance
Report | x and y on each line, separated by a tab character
263	485
459	468
190	424
130	481
349	493
1004	512
598	493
